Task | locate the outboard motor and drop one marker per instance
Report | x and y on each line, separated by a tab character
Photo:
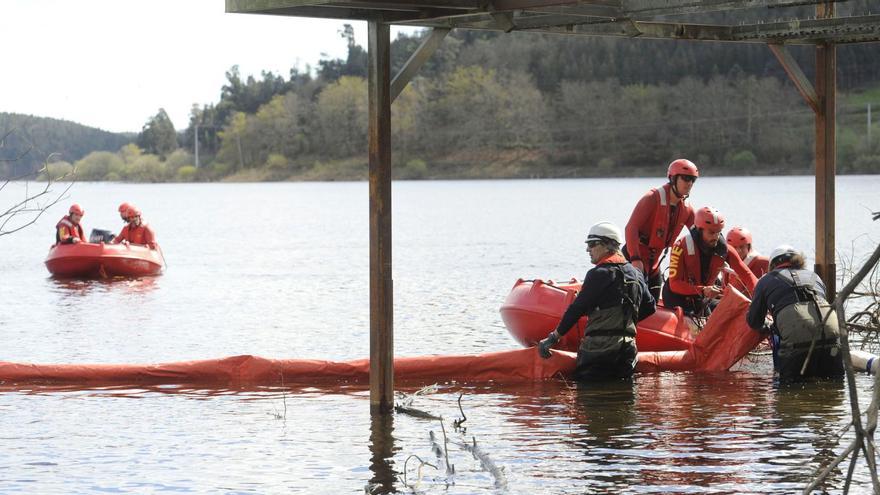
98	236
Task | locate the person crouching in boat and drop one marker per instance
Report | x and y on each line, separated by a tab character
696	260
741	240
657	220
806	336
68	230
136	232
614	296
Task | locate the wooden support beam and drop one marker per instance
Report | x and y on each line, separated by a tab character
826	150
797	76
672	7
381	284
417	60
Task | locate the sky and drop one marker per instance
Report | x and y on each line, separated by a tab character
114	64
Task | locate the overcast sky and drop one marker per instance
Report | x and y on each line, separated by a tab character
112	64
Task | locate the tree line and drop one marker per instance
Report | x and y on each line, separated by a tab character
27	142
513	105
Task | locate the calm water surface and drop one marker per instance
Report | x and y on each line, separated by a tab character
280	270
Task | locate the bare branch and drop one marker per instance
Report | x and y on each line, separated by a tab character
31	207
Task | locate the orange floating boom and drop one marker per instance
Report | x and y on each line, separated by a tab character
724	340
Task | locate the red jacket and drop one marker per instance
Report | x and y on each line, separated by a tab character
759	266
65	229
652	228
141	234
685	277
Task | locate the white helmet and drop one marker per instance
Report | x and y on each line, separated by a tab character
605	230
782	250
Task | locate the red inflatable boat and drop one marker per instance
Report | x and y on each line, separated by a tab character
88	260
534	307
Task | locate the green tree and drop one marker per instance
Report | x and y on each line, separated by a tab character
354	65
158	135
342	117
98	164
279	127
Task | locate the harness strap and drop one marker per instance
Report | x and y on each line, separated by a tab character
819	344
610	333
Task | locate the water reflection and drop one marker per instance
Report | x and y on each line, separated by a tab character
382	452
809	417
80	287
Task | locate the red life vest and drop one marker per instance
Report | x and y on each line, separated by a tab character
651	229
758	265
685	274
140	234
65	229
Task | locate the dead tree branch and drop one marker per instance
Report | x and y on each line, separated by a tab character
864	440
26	211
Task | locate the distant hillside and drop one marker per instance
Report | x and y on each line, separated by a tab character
27	141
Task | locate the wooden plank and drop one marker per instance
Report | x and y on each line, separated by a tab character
417	60
826	166
381	284
797	76
671	7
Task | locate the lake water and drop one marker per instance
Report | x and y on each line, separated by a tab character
281	271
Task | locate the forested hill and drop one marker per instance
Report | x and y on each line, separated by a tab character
494	105
531	105
28	141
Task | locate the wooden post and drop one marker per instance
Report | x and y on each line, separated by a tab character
826	150
381	285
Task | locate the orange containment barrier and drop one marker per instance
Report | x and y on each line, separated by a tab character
724	340
521	365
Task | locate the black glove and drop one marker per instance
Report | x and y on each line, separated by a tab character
545	345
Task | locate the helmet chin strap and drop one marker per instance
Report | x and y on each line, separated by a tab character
672	182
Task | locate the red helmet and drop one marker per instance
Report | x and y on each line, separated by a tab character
739	236
123	208
682	167
132	212
710	219
76	209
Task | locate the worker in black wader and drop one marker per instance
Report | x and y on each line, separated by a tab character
795	297
614	296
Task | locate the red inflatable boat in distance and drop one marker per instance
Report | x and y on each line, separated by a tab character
90	260
533	308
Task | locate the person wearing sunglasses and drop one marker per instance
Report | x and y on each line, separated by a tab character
696	260
614	297
657	220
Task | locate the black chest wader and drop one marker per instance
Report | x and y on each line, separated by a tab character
802	325
608	349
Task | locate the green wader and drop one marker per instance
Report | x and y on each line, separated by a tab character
798	325
608	349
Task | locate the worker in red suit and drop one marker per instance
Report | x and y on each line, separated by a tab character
68	230
696	260
657	220
136	232
741	240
